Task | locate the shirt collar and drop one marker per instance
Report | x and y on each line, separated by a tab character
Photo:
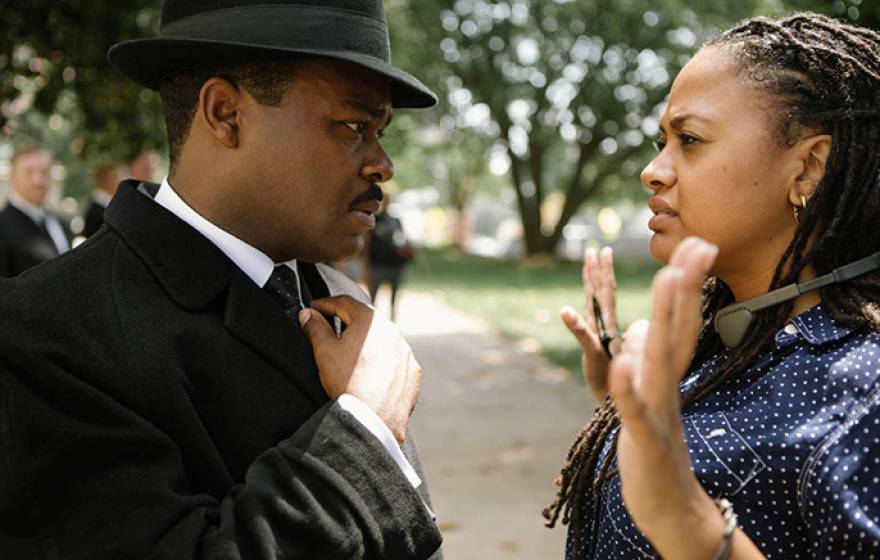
35	213
102	197
253	262
818	327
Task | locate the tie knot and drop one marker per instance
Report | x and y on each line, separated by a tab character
283	286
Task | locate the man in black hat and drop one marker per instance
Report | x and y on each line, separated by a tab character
180	385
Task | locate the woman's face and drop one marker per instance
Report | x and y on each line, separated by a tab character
720	173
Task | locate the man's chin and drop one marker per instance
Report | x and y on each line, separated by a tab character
346	250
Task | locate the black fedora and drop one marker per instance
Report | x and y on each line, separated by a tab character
203	32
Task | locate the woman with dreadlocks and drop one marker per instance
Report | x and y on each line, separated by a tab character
745	424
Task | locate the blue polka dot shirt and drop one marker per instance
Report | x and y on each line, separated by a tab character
793	443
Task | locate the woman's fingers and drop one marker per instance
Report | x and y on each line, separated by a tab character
695	258
608	290
579	327
588	270
659	382
629	401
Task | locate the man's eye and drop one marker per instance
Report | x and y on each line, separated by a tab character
659	145
380	134
357	126
686	139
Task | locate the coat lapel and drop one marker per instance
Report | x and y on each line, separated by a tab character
195	273
253	318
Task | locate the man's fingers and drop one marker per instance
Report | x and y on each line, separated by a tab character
317	330
344	307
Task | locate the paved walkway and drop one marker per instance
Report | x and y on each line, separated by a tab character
493	424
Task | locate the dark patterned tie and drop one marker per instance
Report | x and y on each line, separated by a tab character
284	289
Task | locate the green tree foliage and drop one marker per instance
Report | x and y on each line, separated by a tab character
553	95
565	94
54	62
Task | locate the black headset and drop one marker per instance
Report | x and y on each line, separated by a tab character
733	322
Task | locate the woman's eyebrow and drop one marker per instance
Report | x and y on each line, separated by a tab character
678	120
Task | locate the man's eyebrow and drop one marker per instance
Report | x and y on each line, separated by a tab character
678	120
375	111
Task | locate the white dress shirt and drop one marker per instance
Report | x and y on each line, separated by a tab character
40	216
101	198
258	267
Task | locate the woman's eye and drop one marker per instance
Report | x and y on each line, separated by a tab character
659	145
686	139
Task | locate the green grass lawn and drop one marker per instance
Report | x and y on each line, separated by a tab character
522	300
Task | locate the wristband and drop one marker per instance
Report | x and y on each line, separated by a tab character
726	546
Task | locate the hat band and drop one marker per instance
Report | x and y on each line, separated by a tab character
286	27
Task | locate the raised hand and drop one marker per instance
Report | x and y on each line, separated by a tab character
660	490
599	282
370	361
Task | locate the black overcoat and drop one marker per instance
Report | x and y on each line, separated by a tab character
155	403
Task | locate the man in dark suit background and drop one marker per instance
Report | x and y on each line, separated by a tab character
180	385
142	165
29	232
107	178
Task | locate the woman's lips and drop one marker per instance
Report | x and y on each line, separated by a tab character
659	220
663	213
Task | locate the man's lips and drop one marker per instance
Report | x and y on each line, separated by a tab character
364	213
663	212
367	207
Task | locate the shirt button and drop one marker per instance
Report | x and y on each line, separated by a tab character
790	329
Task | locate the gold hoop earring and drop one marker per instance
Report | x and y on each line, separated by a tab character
797	211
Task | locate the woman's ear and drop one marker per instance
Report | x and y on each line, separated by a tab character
812	154
219	102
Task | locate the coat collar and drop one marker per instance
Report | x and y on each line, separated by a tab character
191	269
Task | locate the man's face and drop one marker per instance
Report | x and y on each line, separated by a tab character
309	164
30	176
143	166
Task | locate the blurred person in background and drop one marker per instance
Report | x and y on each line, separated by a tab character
143	165
387	255
29	232
107	178
746	424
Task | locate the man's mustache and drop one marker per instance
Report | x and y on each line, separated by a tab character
374	192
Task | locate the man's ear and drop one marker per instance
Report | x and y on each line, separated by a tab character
219	102
812	156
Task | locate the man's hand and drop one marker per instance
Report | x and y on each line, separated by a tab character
370	361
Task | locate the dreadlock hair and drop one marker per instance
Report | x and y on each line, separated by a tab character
821	76
266	81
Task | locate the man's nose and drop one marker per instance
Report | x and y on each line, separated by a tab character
378	167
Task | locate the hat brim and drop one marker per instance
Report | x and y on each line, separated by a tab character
147	61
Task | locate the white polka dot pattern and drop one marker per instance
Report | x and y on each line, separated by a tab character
793	443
